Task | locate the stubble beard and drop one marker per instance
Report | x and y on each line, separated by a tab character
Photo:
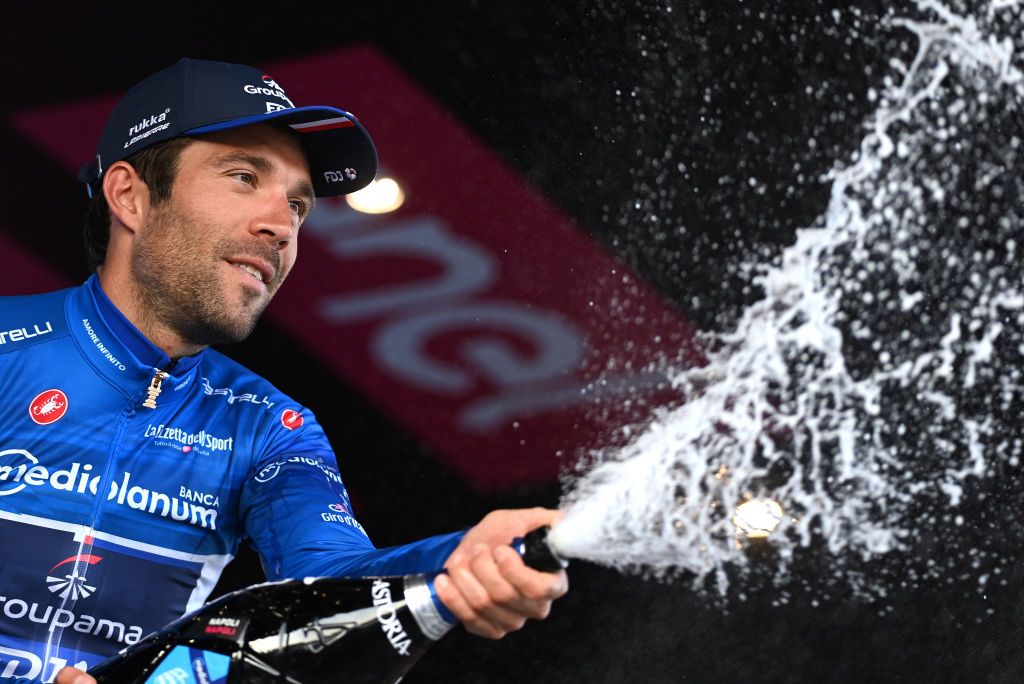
188	295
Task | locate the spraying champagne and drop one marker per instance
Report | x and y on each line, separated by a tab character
304	631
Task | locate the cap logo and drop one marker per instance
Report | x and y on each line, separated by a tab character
269	87
148	126
339	176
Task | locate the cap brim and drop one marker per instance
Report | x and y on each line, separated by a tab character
340	153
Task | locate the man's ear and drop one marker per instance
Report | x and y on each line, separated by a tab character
127	195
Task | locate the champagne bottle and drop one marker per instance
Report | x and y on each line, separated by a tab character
303	631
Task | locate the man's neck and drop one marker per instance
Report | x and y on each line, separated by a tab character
123	292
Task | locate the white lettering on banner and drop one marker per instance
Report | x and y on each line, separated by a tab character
401	347
336	219
77	479
466	268
19	334
400	343
486	413
388	619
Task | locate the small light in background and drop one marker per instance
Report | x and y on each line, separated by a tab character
379	197
757	518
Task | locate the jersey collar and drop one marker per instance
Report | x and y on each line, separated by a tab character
119	350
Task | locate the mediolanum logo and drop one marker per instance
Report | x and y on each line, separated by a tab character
20	469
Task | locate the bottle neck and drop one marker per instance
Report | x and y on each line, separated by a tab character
433	619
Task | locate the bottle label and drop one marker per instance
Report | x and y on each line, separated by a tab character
184	665
387	616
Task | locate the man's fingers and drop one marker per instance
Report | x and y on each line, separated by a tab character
535	590
488	595
488	588
492	580
478	596
530	583
473	621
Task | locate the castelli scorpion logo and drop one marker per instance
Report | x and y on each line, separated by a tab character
291	419
48	407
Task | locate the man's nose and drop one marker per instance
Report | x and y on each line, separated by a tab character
276	224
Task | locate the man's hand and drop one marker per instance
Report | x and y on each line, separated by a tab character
488	588
70	675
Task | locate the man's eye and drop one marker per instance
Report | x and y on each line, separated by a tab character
298	206
245	177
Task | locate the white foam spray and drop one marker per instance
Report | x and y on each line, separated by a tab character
815	398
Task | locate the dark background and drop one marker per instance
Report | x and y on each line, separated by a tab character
689	141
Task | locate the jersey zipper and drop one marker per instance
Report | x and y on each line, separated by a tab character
155	385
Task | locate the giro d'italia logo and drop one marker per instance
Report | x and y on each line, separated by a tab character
72	584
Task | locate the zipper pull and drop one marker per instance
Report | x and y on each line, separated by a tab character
154	389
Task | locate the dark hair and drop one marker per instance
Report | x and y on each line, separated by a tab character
157	166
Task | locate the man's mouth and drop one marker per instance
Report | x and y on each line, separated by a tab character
259	270
249	269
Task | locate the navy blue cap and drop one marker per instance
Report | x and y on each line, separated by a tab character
197	96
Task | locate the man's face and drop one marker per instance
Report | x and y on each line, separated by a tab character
210	259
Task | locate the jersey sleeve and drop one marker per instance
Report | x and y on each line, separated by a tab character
299	516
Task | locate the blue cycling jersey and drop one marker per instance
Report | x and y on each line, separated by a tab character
127	483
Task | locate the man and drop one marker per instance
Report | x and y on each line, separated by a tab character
137	459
